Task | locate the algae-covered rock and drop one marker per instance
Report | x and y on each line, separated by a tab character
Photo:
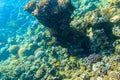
50	13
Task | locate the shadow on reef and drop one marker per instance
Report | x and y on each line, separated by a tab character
103	38
56	15
107	26
75	42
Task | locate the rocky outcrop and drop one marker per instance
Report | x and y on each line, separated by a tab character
56	15
51	13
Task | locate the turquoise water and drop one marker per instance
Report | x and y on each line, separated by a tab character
59	40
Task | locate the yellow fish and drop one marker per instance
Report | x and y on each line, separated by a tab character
57	63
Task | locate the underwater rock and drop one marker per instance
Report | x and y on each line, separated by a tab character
56	15
93	58
51	13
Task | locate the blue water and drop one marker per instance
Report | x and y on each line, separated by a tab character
13	20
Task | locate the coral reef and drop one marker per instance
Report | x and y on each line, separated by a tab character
85	45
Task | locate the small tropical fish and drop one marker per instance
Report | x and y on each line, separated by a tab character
57	64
